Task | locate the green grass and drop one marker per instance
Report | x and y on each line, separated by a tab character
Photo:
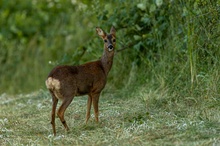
163	88
145	118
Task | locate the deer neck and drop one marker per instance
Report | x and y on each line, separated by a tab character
107	60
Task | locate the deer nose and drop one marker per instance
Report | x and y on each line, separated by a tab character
110	47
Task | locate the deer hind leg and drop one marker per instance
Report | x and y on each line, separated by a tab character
55	101
95	101
89	103
66	102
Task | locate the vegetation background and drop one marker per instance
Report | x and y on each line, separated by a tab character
166	69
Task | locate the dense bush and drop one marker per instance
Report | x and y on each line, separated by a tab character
170	45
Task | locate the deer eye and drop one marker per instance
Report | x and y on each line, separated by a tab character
113	40
105	41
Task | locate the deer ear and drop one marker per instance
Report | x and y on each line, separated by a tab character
100	32
113	31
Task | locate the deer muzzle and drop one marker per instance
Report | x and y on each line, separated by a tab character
110	47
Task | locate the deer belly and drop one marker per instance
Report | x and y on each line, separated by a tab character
85	89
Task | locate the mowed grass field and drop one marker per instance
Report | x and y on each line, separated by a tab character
163	88
143	118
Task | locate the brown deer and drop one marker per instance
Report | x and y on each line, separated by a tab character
65	82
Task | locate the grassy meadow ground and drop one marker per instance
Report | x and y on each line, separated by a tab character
146	118
163	88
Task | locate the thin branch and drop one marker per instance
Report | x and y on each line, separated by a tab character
125	47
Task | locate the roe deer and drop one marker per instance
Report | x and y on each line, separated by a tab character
65	82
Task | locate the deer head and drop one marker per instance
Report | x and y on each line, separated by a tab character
109	39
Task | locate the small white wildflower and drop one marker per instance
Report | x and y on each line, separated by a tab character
29	101
39	106
50	136
5	120
59	137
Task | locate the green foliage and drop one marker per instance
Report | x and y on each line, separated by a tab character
173	43
34	35
164	44
163	87
23	18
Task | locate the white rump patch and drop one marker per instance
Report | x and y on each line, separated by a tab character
52	83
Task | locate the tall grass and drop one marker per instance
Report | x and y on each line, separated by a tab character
175	45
